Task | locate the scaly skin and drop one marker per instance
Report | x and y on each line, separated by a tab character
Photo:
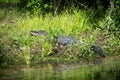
65	41
40	33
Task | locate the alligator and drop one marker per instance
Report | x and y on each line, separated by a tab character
40	33
98	50
65	41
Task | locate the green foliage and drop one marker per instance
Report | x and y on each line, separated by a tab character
116	18
37	6
26	55
20	47
111	21
34	6
100	9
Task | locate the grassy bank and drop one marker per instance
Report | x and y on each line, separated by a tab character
17	46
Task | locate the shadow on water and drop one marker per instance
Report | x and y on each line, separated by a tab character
108	70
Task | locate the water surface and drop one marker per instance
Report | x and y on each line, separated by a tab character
108	69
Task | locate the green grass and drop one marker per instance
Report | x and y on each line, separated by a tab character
16	42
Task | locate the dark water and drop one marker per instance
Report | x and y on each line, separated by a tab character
109	69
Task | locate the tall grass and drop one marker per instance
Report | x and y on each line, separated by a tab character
20	46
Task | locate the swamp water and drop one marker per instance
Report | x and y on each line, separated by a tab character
108	69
